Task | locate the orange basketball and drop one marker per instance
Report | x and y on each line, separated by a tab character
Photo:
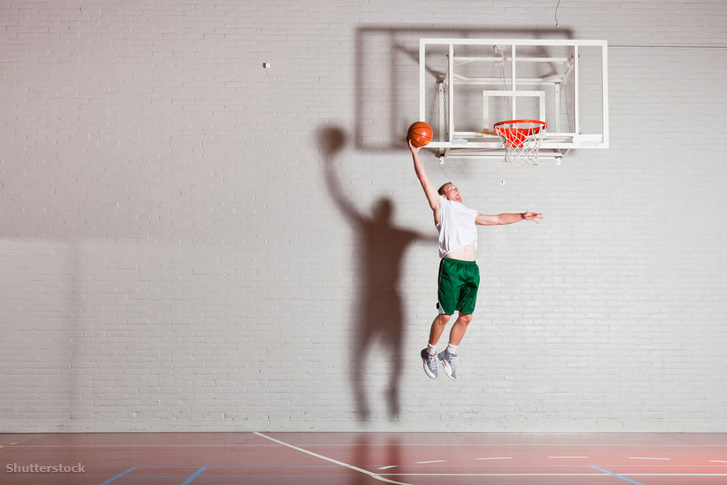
420	134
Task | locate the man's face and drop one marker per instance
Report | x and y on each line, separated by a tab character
452	193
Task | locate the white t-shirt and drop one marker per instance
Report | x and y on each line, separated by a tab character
456	226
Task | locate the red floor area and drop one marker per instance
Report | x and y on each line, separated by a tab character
364	458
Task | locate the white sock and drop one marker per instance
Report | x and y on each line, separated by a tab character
452	349
432	349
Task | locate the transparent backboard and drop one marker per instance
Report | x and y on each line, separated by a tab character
468	85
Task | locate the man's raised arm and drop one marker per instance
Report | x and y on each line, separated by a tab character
429	190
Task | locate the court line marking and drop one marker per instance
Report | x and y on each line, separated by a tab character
118	476
570	457
647	458
160	445
319	445
459	475
717	461
194	475
331	460
677	474
428	462
496	458
616	475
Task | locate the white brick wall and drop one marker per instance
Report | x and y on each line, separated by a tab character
174	258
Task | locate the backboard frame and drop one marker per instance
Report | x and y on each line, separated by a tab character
553	72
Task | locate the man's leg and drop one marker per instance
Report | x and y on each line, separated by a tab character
437	328
459	328
449	355
429	355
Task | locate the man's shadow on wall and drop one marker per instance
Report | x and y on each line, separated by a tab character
378	314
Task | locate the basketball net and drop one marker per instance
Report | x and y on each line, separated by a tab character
521	139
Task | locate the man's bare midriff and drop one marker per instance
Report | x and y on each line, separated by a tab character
465	253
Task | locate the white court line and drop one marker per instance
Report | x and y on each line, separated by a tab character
647	458
428	462
570	457
674	475
717	461
496	458
340	463
388	467
458	475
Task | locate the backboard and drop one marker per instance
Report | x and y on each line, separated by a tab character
468	85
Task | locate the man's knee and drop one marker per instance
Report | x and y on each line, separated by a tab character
442	320
465	318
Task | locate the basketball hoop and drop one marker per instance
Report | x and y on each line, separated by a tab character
521	139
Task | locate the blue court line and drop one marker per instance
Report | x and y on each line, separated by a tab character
194	475
118	476
404	475
616	475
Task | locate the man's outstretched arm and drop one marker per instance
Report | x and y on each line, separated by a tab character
429	190
507	218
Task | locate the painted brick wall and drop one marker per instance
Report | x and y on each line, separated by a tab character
182	250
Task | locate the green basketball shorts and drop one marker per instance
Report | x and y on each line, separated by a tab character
458	284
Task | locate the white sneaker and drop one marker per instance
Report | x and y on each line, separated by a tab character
447	361
430	364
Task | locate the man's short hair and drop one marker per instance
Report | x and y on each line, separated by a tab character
441	189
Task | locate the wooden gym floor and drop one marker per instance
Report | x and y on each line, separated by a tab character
364	458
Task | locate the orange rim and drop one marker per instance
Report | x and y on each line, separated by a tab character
516	136
543	124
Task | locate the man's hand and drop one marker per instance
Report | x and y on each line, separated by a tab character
414	149
532	216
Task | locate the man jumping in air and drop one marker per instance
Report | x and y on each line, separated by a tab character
459	275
